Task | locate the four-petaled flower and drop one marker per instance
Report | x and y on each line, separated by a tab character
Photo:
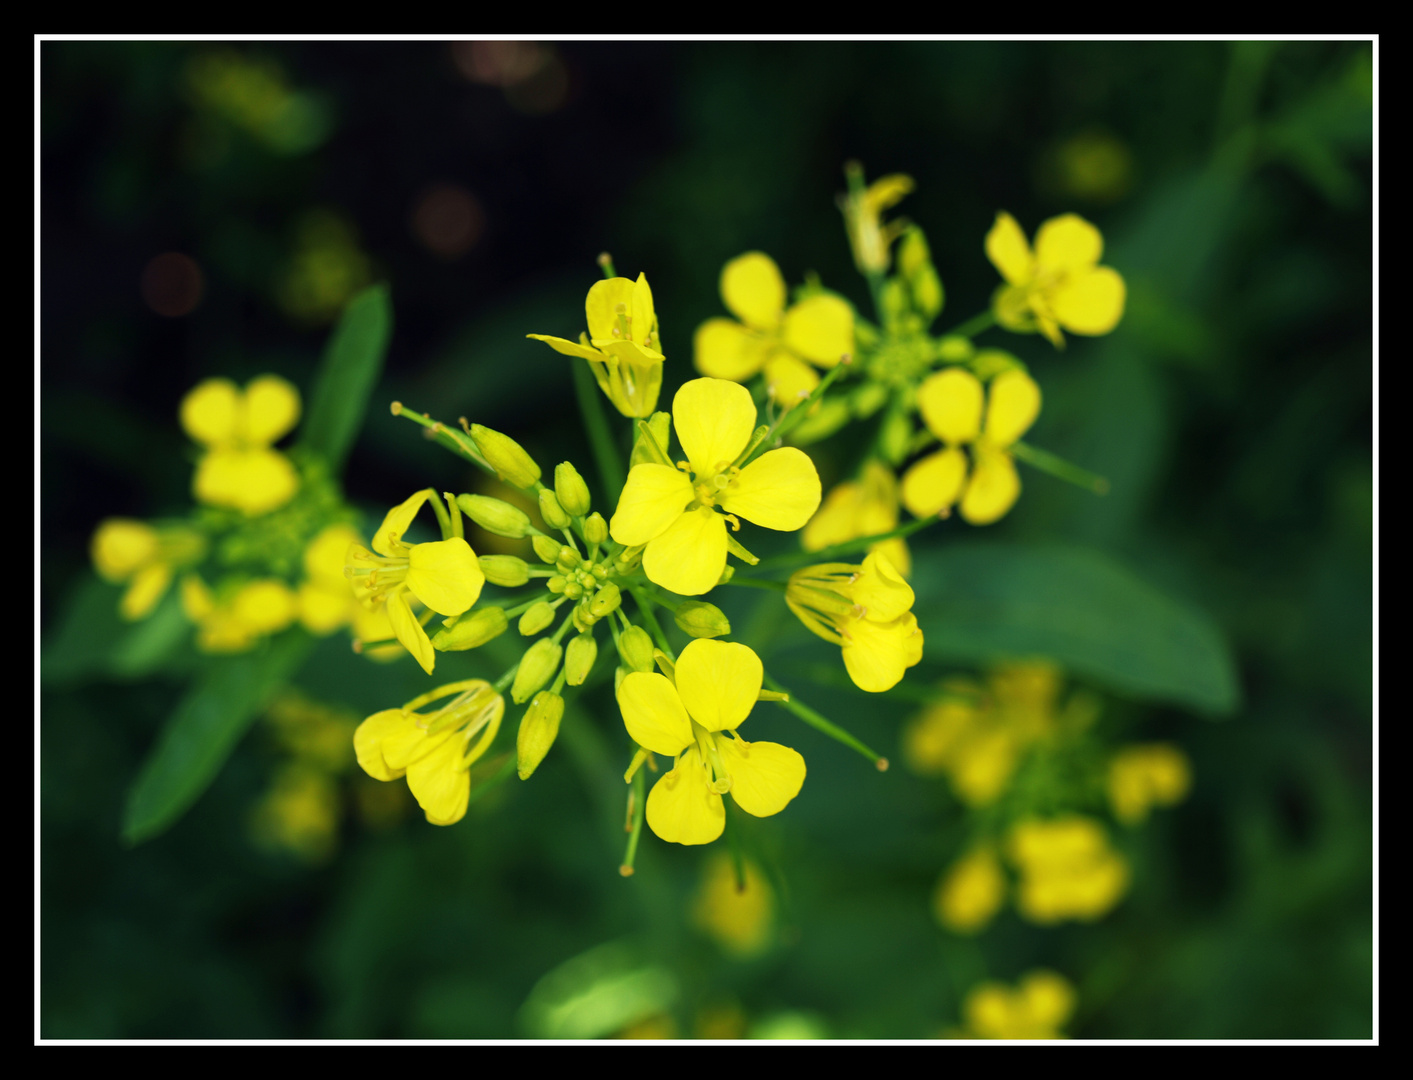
689	718
675	516
239	469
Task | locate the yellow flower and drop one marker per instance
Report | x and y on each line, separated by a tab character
125	550
971	892
299	814
819	330
326	600
1141	777
1060	284
716	686
737	919
444	575
952	404
857	508
676	518
239	470
434	750
1068	870
623	346
1036	1009
863	213
239	617
867	611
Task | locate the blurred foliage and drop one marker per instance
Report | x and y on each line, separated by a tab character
1231	411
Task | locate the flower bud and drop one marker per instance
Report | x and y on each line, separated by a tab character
551	511
538	730
508	571
569	486
605	600
912	252
595	528
893	299
568	559
868	399
537	667
636	648
895	437
955	349
495	515
579	658
573	590
701	620
581	618
546	547
473	629
536	618
643	451
506	456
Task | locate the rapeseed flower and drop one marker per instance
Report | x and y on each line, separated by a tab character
434	750
675	517
1141	777
869	237
326	600
239	469
953	403
1059	284
867	611
1037	1008
145	558
769	337
867	506
444	575
970	892
1068	870
623	346
737	918
235	617
688	718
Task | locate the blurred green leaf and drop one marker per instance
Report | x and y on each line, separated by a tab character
598	993
202	731
92	640
352	363
979	602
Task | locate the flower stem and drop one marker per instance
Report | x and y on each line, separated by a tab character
606	454
975	325
819	723
1059	467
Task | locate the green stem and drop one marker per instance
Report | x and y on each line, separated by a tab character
975	325
635	827
505	680
1058	466
797	413
645	609
454	441
494	780
607	457
819	723
758	583
848	547
605	262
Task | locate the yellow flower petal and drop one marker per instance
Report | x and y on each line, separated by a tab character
951	404
690	555
266	606
148	587
934	483
440	783
1008	250
835	521
724	349
601	309
753	290
779	490
765	776
325	557
644	317
1011	408
714	420
821	329
1090	303
788	380
896	551
368	742
877	654
408	630
396	522
718	682
653	713
682	808
197	602
994	488
323	608
1048	998
445	575
121	546
210	412
880	590
269	411
1067	244
569	348
255	481
652	500
971	893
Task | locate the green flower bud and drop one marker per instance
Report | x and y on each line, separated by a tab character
913	255
583	621
599	571
895	438
537	667
595	528
868	399
473	629
538	729
988	363
506	456
893	299
495	515
556	583
536	618
579	658
832	414
568	559
507	571
546	547
954	349
701	619
605	600
573	590
927	292
551	511
636	648
643	453
569	486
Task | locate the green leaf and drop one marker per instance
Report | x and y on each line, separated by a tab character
203	730
91	640
980	602
352	362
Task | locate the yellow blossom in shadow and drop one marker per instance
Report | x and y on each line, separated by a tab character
1039	1006
143	557
1067	869
1144	776
237	616
740	920
239	470
971	892
299	814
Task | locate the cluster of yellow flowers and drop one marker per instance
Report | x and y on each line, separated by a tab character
1039	1006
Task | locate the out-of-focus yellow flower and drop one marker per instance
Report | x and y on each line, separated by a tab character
867	506
716	686
623	346
239	469
125	550
970	892
952	404
1037	1008
1059	284
434	750
443	574
675	515
737	919
299	814
317	734
326	600
1142	777
863	220
867	611
237	617
1068	870
783	342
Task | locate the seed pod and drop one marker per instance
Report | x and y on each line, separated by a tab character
506	456
571	490
471	630
538	729
504	570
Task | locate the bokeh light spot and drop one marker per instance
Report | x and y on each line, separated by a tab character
448	220
172	284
